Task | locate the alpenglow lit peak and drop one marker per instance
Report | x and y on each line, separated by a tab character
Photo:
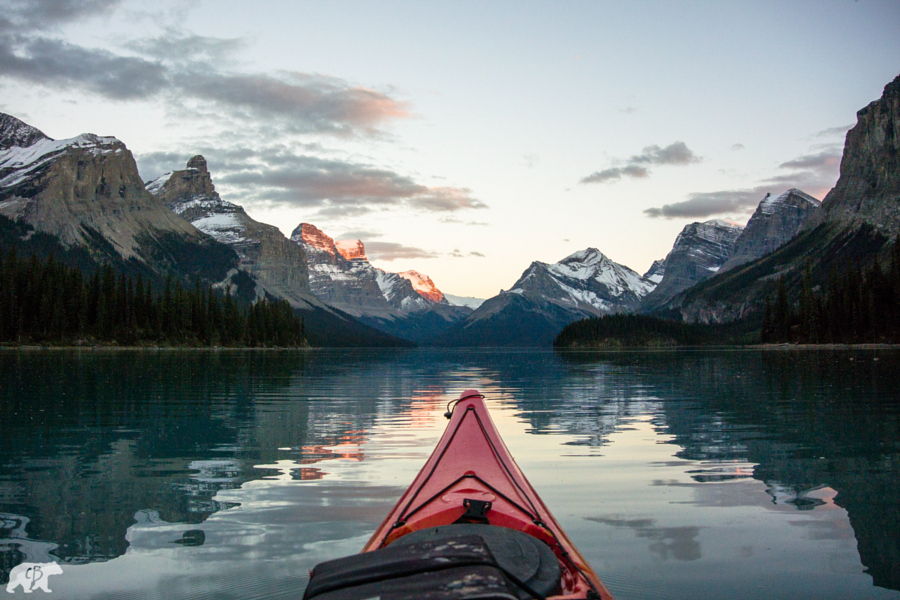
341	275
351	249
423	285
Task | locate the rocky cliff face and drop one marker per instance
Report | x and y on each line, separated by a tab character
656	271
277	265
86	191
340	275
868	190
773	224
546	298
699	252
350	285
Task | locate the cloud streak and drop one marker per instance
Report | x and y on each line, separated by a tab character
813	173
635	167
49	13
187	68
276	177
388	251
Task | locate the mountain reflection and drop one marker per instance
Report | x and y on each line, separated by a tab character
94	439
807	420
106	447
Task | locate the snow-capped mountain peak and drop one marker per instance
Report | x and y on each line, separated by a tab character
769	204
776	220
20	162
586	281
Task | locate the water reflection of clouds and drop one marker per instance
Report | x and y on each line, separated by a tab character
14	538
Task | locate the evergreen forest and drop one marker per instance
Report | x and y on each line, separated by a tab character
622	330
859	305
43	301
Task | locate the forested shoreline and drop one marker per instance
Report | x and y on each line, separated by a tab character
860	305
50	303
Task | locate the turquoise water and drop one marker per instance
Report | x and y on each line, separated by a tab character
229	474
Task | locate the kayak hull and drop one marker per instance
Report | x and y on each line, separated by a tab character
471	477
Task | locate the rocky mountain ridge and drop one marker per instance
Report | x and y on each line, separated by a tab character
274	266
775	221
858	221
699	252
277	265
86	193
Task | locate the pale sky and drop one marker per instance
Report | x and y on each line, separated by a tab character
464	139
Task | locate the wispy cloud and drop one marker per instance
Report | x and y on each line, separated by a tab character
704	204
613	173
389	251
827	160
457	253
200	83
813	173
53	63
183	69
635	167
277	176
834	131
43	14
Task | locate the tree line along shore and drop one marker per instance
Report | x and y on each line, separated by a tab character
46	302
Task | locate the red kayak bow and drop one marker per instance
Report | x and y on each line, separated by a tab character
471	478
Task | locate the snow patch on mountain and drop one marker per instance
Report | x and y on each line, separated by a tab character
224	228
18	163
468	301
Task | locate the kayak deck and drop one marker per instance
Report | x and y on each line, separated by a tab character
471	485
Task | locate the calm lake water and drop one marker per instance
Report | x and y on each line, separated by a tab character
698	474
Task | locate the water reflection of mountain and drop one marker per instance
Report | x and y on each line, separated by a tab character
91	438
806	419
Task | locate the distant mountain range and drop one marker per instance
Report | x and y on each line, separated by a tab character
82	200
406	304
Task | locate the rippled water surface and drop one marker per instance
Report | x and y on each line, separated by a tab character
194	474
